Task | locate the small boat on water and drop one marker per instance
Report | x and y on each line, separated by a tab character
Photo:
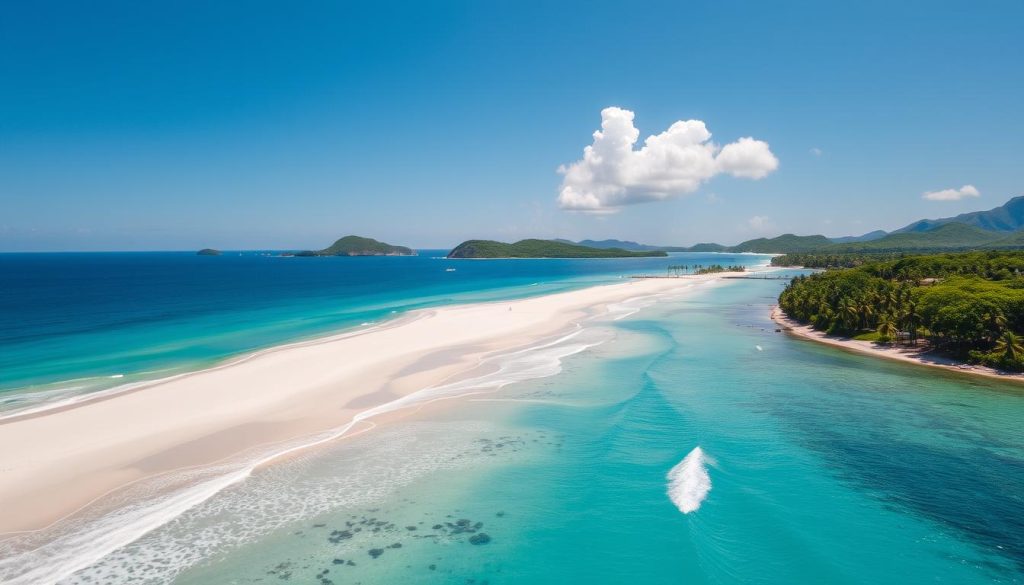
449	270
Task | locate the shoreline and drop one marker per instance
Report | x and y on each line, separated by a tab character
903	354
81	453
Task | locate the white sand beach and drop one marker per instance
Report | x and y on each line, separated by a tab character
53	463
915	355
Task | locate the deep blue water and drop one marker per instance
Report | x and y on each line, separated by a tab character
79	322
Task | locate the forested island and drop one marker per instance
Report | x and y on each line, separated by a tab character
967	305
208	252
543	249
359	246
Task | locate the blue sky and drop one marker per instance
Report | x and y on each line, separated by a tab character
264	125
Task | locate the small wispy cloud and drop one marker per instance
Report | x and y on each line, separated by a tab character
952	194
759	223
816	151
676	162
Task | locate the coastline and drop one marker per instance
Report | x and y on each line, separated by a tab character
903	354
80	453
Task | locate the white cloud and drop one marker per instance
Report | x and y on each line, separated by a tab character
952	194
759	223
612	174
816	151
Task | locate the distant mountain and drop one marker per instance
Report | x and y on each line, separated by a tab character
992	229
784	244
359	246
208	252
541	249
950	236
870	236
1008	217
629	245
621	244
704	247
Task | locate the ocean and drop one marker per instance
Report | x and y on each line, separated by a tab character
78	323
679	439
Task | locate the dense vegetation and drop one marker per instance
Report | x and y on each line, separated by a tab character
358	246
825	260
784	244
970	305
541	249
715	268
950	236
682	269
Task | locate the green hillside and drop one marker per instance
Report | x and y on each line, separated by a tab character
950	236
1014	241
540	249
359	246
629	245
784	244
704	247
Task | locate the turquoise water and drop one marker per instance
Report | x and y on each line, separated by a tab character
814	466
77	323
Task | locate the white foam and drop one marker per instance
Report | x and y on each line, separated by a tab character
291	493
631	306
689	482
78	546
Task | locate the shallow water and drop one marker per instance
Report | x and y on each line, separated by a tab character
796	463
657	445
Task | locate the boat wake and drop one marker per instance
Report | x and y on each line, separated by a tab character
689	482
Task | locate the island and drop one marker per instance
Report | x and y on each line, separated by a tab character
208	252
359	246
542	249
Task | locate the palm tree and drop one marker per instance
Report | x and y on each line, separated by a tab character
912	319
1010	345
997	320
848	313
887	328
891	299
867	311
